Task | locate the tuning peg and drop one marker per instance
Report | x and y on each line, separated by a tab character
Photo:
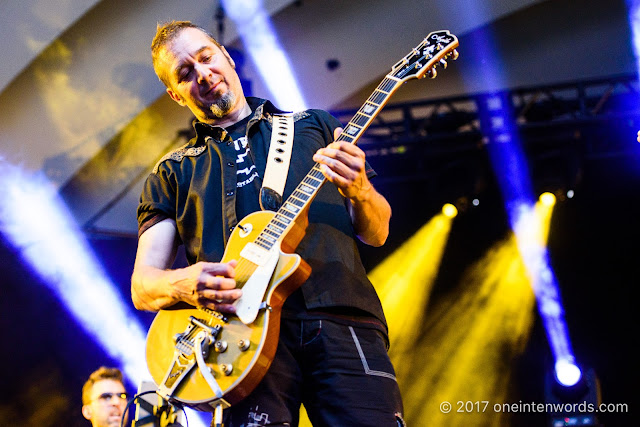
432	72
454	54
443	63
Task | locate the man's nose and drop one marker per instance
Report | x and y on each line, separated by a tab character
203	73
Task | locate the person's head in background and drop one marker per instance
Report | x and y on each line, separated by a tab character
104	397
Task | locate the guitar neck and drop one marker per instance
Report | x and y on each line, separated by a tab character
306	191
370	109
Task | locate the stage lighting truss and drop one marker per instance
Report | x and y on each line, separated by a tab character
560	126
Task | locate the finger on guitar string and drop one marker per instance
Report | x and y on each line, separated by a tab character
218	283
221	307
343	164
225	269
220	296
342	155
193	280
219	300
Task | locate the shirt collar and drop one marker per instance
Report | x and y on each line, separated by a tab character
261	108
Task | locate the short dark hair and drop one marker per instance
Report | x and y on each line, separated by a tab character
165	34
102	373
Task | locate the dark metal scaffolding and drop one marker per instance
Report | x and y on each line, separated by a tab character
561	127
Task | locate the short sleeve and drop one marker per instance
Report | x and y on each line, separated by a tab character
157	202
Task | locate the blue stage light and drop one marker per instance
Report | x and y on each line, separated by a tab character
567	372
261	42
38	224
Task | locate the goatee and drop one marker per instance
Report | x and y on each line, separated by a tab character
223	105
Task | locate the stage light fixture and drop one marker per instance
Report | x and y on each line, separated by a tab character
547	199
567	372
570	194
572	405
475	202
449	210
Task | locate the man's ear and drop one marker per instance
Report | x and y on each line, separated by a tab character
231	61
175	97
86	412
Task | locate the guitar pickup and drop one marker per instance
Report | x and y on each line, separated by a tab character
255	254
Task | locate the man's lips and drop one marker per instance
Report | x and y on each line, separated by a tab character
212	88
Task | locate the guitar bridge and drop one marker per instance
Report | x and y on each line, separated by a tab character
191	347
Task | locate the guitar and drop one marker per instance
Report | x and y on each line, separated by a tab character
206	360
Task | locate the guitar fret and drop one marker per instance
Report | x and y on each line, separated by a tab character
286	213
280	222
360	119
274	228
311	181
317	175
300	195
344	137
387	84
264	245
297	202
368	108
266	237
305	188
378	97
271	233
352	130
283	218
291	207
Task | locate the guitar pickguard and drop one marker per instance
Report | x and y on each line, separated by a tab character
253	291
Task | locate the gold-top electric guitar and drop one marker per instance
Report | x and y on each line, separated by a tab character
208	361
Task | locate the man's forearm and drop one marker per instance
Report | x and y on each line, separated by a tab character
153	288
370	215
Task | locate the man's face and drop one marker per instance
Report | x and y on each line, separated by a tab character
106	406
201	75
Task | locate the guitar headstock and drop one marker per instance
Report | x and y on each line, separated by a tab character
422	61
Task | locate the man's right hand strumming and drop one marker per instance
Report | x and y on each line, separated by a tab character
154	287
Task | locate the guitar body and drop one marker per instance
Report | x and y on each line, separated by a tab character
248	366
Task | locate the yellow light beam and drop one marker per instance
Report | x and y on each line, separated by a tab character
405	278
471	338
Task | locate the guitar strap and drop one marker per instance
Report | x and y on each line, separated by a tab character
278	159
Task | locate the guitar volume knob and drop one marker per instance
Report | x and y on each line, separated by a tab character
244	345
226	368
220	346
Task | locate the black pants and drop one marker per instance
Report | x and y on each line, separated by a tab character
342	374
